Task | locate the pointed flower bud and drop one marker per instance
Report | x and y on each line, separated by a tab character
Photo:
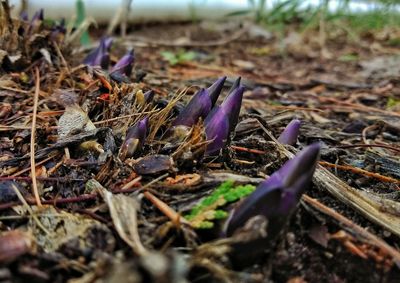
235	84
135	138
215	89
58	31
290	133
100	56
36	20
277	197
149	96
24	16
198	106
38	16
217	130
124	65
232	104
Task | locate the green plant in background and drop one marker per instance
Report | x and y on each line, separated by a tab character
193	6
181	56
256	10
208	208
286	12
80	18
259	9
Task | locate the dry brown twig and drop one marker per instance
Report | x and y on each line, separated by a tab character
33	135
361	171
360	231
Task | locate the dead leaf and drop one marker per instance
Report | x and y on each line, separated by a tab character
73	121
123	211
63	229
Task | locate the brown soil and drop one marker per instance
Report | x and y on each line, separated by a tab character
340	101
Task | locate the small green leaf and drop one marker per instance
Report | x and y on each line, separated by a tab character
207	209
392	102
187	56
206	225
180	57
220	214
348	58
170	57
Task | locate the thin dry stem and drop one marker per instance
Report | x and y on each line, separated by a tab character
361	171
354	227
33	135
29	209
175	217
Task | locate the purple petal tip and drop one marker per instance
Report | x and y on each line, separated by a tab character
149	96
215	89
125	64
135	138
24	16
99	56
235	84
290	133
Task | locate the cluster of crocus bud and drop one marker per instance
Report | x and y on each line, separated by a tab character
100	57
219	120
58	30
277	197
200	105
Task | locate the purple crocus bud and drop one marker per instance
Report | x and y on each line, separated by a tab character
231	106
36	20
215	89
100	56
290	133
148	96
198	106
135	138
217	130
124	66
235	84
58	31
38	16
24	16
277	197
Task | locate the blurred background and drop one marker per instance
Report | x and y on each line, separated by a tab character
263	11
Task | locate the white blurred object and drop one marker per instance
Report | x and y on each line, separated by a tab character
141	10
165	10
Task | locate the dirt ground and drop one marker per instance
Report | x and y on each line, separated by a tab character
345	91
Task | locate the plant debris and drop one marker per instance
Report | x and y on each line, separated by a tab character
160	164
